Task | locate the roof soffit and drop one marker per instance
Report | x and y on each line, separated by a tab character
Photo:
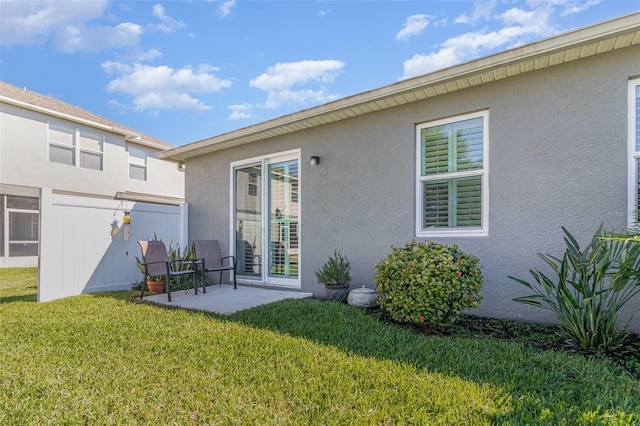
591	41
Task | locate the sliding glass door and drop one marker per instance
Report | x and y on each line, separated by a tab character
283	219
248	218
266	220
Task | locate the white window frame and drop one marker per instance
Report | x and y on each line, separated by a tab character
633	155
75	134
264	161
145	165
80	149
483	230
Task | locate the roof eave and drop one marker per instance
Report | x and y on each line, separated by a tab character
129	135
579	44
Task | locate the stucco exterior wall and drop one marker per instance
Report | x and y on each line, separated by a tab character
557	157
24	151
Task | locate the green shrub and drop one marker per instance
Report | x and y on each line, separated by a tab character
335	272
428	283
589	289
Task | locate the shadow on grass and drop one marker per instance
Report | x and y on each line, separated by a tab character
30	296
536	380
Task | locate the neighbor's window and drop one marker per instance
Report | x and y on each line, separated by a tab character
451	190
634	151
91	149
62	147
137	163
74	147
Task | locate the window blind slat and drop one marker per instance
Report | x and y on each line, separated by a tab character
435	150
436	204
469	201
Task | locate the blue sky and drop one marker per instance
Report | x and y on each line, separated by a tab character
183	71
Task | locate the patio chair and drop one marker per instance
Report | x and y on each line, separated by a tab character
156	263
210	259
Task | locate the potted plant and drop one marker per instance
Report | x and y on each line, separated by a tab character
155	284
335	276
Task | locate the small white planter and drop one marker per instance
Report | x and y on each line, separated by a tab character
363	298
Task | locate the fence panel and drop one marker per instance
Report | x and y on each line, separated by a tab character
83	251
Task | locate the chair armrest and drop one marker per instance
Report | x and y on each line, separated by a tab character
229	257
153	263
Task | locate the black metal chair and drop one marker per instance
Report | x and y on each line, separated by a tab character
209	259
156	263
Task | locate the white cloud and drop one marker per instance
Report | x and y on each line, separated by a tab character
282	76
34	22
482	9
242	111
162	87
516	26
83	39
414	26
226	7
282	83
168	24
573	7
67	23
146	55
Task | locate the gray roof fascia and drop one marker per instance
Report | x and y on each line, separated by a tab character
600	38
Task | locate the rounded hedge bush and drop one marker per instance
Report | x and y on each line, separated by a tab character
428	283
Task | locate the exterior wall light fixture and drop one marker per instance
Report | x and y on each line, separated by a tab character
315	160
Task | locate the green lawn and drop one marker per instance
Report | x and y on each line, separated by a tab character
106	359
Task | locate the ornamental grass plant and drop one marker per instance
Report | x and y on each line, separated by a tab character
587	289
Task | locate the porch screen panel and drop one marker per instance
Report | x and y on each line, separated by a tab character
23	234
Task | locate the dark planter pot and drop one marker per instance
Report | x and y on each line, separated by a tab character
337	293
155	286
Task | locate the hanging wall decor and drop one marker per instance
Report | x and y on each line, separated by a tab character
126	225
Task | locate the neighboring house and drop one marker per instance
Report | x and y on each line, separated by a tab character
495	155
46	143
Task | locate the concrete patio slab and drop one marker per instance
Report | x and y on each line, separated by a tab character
224	299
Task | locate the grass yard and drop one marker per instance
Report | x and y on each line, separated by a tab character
106	359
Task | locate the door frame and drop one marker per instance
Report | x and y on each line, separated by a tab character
264	161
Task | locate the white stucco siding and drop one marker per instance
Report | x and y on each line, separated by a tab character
24	160
557	157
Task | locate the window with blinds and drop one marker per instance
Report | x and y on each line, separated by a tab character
137	163
62	145
91	151
452	176
75	148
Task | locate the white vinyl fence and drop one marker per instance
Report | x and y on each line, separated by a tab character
82	250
